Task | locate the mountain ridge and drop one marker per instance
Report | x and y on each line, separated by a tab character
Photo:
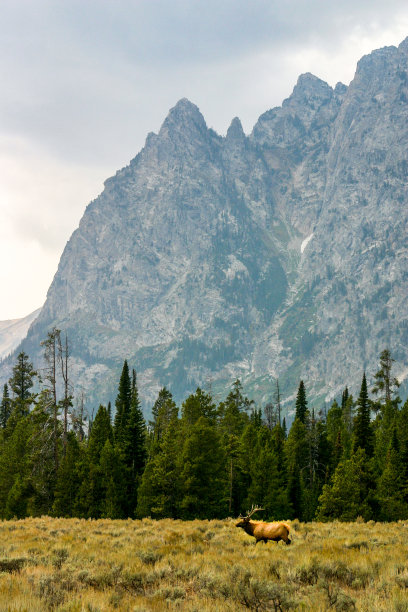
193	261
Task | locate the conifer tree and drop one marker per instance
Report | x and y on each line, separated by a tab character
45	446
297	455
114	500
233	418
349	494
301	403
201	473
134	448
197	405
363	433
90	501
5	407
21	383
159	490
163	412
391	484
14	470
266	487
68	479
385	383
122	405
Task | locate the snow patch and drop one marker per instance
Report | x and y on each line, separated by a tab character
306	242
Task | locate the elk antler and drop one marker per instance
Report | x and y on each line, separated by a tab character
253	510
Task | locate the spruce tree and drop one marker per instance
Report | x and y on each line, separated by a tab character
134	448
159	491
21	383
201	473
68	479
197	405
91	496
391	484
385	383
114	499
301	403
122	405
5	407
363	433
232	419
163	412
297	456
45	445
349	494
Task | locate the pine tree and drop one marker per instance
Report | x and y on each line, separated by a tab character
385	383
163	411
5	407
301	403
14	466
134	448
363	433
122	404
349	493
334	424
21	383
201	474
297	456
232	419
91	497
267	488
391	484
68	479
159	491
45	445
197	405
114	501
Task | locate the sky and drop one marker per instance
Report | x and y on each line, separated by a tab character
84	81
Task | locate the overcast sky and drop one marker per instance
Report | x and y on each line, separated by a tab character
83	82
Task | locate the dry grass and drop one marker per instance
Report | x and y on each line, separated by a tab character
82	565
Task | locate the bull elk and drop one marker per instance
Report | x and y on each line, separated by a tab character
264	531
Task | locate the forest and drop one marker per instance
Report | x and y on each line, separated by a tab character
203	460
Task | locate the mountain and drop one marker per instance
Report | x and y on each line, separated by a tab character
277	254
13	331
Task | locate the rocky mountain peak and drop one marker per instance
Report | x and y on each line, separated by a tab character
235	131
184	116
310	92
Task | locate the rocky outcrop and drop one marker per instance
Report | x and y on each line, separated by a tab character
281	253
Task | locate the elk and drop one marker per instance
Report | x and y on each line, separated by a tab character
264	531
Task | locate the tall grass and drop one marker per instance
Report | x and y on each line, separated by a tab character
74	565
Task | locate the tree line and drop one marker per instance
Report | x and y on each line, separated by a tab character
204	460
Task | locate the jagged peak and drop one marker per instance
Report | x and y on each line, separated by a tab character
184	113
235	130
340	88
312	86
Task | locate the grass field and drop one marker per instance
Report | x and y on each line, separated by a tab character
73	565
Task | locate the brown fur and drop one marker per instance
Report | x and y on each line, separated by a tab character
266	531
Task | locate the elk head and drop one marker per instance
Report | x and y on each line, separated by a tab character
244	520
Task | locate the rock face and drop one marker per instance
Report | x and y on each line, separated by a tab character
281	253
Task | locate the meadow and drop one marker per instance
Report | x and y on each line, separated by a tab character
74	565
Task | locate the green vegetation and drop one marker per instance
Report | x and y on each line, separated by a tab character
204	461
